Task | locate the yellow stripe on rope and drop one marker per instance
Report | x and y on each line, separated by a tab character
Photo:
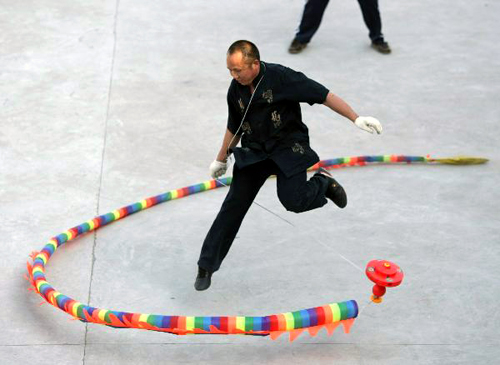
39	283
53	244
240	323
189	323
74	310
335	312
42	257
69	235
91	224
290	322
53	297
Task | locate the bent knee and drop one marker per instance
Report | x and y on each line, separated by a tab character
293	205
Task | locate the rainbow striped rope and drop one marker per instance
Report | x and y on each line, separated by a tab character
313	319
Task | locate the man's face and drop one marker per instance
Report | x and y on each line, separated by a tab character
241	70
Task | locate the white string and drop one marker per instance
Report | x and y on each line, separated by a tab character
245	114
294	226
338	253
364	307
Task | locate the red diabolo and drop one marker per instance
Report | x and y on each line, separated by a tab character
384	274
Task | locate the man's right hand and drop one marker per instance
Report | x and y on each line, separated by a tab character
217	169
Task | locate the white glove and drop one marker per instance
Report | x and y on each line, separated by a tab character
368	124
217	169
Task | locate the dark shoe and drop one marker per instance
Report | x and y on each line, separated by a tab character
296	47
335	191
381	46
203	280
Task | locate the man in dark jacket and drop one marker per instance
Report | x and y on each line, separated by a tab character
264	112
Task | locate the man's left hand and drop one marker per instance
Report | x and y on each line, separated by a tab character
368	124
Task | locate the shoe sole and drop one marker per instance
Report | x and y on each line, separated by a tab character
202	284
341	201
381	50
296	50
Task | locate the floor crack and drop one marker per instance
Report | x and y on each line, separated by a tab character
98	197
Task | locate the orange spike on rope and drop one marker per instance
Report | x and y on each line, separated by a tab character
275	334
115	321
214	329
347	323
313	331
330	327
87	316
295	333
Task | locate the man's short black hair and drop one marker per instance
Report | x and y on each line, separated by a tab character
249	50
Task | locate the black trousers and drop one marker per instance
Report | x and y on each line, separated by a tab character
313	13
296	193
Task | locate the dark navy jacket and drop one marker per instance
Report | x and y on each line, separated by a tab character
273	126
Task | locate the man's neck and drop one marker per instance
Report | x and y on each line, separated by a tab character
252	87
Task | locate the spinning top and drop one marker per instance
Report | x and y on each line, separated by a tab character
384	274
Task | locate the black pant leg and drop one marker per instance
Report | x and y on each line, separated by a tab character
244	187
311	19
297	194
371	16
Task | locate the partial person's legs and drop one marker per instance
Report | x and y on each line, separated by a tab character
244	187
309	24
371	16
297	194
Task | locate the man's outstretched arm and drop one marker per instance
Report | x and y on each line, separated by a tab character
338	105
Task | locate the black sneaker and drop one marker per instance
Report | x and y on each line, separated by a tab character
203	279
335	191
296	47
381	46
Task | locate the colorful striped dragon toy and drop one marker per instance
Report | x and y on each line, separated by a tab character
383	273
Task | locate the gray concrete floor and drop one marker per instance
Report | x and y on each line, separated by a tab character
104	103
